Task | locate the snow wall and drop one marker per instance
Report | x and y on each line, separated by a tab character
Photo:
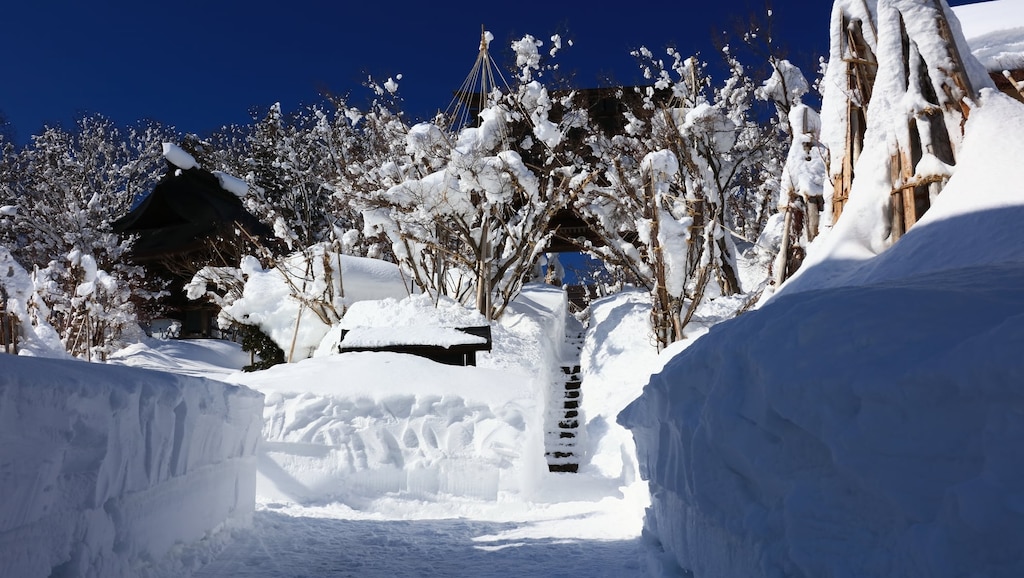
108	471
353	427
889	448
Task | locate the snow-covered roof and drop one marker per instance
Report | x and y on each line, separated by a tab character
381	337
995	32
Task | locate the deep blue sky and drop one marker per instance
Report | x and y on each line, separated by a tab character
200	64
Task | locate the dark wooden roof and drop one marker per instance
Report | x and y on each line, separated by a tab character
184	209
571	233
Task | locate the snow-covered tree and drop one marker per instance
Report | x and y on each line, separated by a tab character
664	194
801	202
58	214
464	213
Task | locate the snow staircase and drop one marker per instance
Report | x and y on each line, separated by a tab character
562	435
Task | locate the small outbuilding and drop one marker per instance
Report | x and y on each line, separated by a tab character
193	218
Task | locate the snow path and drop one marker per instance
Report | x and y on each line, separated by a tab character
586	528
285	545
585	524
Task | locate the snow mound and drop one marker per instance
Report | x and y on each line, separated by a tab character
111	471
213	358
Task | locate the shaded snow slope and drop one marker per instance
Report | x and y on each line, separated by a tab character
107	471
864	431
995	32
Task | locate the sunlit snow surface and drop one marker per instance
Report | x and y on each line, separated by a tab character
995	32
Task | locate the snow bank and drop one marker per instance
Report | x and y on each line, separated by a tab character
867	420
620	323
108	471
358	426
879	436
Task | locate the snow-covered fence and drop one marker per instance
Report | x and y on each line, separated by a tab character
108	471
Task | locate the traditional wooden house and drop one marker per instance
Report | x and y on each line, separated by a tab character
193	218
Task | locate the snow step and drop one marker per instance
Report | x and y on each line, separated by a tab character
564	419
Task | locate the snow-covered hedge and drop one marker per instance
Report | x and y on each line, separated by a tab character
107	471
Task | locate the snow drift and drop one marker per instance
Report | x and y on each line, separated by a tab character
105	471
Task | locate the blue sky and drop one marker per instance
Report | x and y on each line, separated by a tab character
197	64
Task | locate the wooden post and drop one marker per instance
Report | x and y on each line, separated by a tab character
959	72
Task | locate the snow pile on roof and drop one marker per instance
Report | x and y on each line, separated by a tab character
110	471
867	420
995	32
178	157
232	184
415	311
